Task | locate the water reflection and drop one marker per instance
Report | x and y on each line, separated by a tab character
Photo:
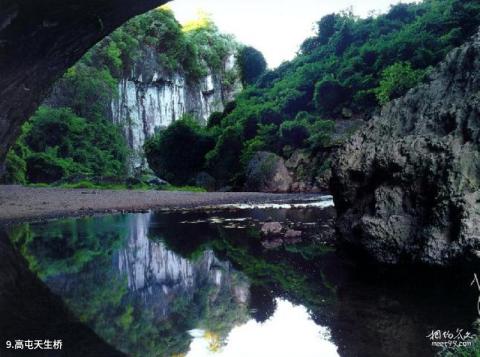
159	276
290	331
202	283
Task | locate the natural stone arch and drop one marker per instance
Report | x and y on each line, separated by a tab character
39	41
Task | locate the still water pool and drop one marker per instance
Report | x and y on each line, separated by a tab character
238	281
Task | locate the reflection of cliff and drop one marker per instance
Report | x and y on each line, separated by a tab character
143	298
133	292
158	274
165	289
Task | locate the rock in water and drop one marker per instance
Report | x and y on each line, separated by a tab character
271	228
266	172
406	187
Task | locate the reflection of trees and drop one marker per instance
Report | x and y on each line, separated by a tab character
291	273
370	310
360	305
66	246
284	273
29	310
262	303
78	259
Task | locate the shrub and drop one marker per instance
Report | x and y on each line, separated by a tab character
224	160
45	168
294	133
215	119
396	80
322	131
68	145
329	94
177	153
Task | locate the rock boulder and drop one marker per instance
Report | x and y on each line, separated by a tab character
266	172
407	186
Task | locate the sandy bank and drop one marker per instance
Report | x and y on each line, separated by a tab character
20	204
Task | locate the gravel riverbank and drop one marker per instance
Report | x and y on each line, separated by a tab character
22	204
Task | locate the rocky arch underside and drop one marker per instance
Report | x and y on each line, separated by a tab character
39	40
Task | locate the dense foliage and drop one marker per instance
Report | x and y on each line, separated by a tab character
252	64
57	144
178	152
347	69
351	55
192	49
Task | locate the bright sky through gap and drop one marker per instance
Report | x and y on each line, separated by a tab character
275	27
289	332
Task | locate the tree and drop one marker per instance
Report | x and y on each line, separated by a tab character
294	133
326	28
400	12
177	153
224	160
61	144
329	94
396	80
252	65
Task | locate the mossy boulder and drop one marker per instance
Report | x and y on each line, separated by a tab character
266	172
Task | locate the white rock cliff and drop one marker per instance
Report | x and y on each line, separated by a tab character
150	99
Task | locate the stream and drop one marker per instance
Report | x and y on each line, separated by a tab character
244	280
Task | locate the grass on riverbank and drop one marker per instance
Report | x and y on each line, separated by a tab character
120	186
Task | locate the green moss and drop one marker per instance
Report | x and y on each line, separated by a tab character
184	188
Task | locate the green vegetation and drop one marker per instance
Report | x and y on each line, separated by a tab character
396	80
178	152
353	56
349	68
346	70
57	144
71	139
252	65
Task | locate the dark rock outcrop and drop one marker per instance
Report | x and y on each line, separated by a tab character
407	186
266	172
205	180
311	169
39	40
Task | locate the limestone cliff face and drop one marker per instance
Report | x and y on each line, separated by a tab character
407	186
150	99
